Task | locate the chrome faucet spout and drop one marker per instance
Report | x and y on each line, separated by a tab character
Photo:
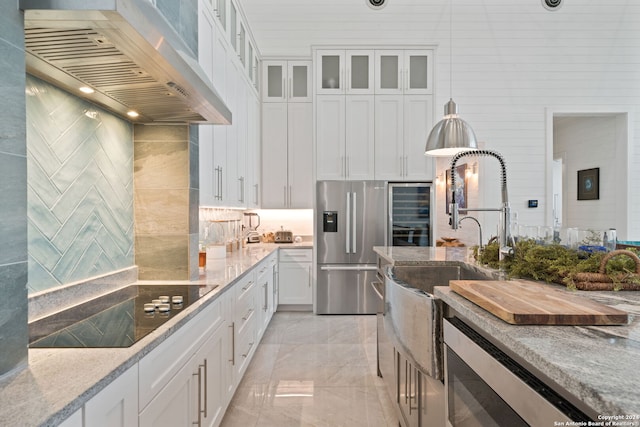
504	238
479	228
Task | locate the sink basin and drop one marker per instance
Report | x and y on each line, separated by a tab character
425	277
413	316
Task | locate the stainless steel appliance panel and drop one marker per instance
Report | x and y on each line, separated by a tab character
349	223
486	387
332	198
346	290
368	207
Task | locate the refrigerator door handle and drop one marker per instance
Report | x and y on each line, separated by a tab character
354	222
347	248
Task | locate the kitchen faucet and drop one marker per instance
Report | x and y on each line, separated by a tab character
479	229
504	239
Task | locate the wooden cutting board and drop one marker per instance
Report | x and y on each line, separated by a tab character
521	302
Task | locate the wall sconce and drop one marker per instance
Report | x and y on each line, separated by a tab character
440	178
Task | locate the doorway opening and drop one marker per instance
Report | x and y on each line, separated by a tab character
581	141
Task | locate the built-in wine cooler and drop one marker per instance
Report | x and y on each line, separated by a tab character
410	214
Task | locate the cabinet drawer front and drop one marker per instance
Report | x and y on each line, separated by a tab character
296	255
162	363
263	268
245	287
245	311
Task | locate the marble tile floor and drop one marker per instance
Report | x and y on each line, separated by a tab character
312	370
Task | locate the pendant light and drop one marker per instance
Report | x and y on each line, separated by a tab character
450	135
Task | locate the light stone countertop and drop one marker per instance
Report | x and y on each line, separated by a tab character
58	382
600	365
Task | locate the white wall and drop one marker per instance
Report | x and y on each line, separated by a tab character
512	61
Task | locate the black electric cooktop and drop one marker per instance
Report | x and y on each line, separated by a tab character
117	319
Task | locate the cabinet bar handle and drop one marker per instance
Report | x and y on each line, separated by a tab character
266	296
246	316
247	286
233	343
248	350
205	387
199	375
221	185
406	382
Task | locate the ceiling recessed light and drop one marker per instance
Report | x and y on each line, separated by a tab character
86	89
132	113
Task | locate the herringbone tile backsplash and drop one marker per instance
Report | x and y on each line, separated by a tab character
80	188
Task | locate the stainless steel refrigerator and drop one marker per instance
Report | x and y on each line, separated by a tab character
350	221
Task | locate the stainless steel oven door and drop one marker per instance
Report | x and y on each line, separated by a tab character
485	387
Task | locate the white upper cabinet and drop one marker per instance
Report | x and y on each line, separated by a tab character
220	11
360	70
287	81
330	72
345	72
403	72
402	124
233	26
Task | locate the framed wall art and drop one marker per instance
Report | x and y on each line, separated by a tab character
589	184
461	187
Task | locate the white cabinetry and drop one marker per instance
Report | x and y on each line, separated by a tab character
227	55
183	381
252	184
374	109
402	126
116	404
294	277
403	72
286	81
344	72
75	420
245	324
345	137
266	288
287	135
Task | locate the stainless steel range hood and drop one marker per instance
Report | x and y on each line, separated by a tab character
127	52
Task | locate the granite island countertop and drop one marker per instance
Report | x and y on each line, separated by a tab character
57	382
596	364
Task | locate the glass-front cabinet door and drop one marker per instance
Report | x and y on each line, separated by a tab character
220	9
360	70
299	73
388	75
287	81
233	26
418	65
330	72
403	72
345	71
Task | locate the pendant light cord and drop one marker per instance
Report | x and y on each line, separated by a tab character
451	49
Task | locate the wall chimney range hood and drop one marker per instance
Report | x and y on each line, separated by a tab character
127	52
